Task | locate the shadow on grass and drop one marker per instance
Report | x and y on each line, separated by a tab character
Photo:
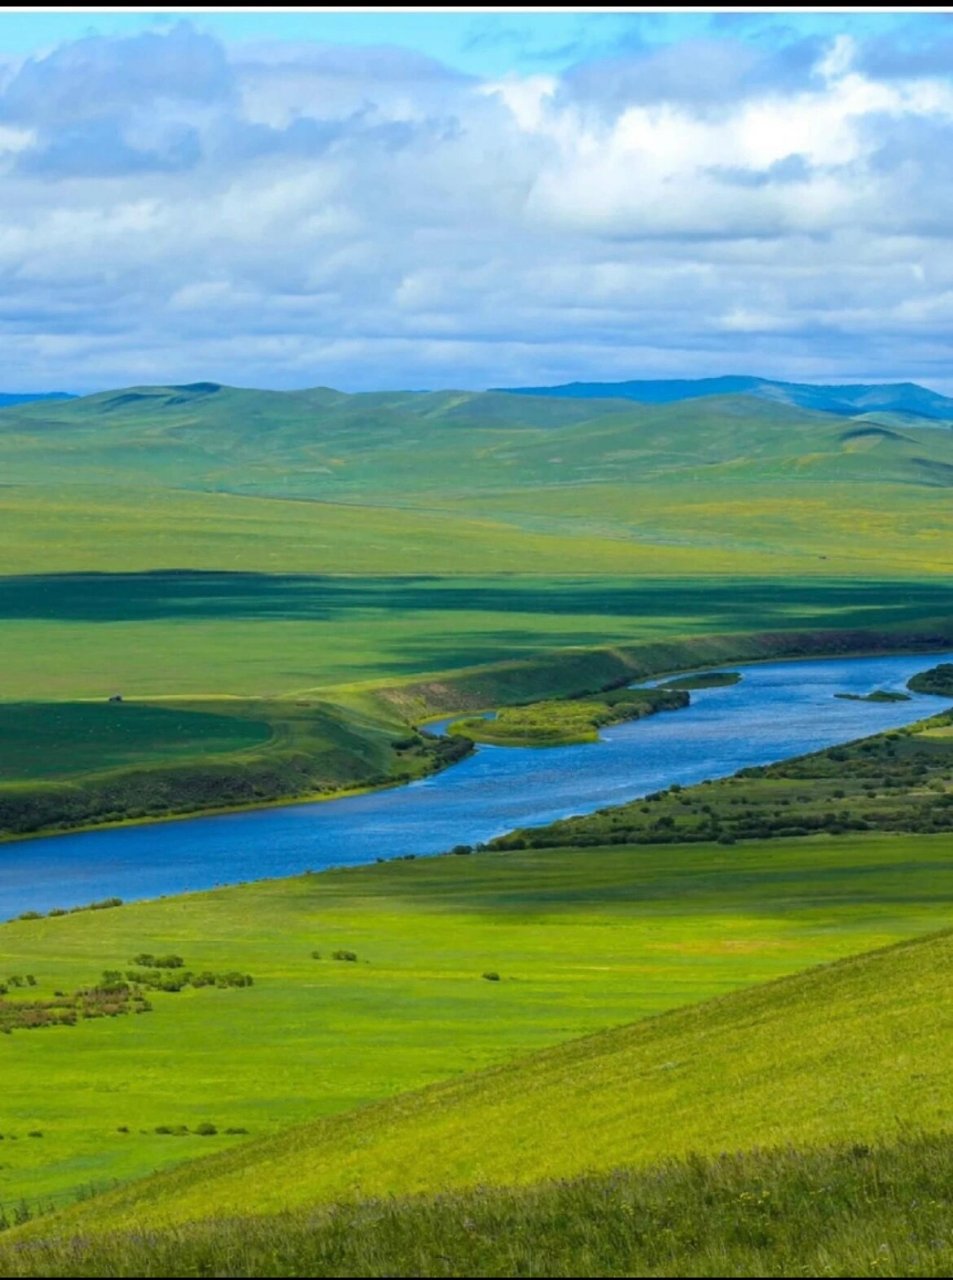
726	604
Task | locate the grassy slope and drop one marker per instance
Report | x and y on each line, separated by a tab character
852	1209
581	941
858	1050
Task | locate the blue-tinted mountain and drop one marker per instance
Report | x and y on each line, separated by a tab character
8	398
907	399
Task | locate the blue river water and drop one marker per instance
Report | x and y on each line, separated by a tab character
779	709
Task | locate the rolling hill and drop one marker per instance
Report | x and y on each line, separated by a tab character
433	449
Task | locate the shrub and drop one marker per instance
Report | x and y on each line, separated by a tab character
205	1130
492	977
343	955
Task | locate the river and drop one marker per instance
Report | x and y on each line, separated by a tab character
779	709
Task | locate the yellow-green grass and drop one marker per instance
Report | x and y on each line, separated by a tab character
555	722
581	942
848	1209
881	528
141	529
858	1051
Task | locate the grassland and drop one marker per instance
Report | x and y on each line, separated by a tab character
582	942
152	632
56	740
850	1210
281	586
195	542
855	1052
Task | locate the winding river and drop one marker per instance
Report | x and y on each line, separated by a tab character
779	709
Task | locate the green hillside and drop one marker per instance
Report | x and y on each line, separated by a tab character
854	1052
852	1209
401	446
581	941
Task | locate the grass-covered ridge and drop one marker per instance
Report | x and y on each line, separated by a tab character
853	1052
70	765
852	1209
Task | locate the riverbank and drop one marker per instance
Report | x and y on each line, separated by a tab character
388	710
777	711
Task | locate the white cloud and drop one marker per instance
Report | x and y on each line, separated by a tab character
365	217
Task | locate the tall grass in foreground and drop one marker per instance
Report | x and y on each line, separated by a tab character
849	1210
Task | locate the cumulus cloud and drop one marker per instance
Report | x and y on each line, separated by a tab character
175	209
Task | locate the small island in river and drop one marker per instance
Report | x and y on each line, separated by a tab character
560	723
878	695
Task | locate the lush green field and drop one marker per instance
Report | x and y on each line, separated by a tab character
851	1210
580	941
145	635
61	739
856	1052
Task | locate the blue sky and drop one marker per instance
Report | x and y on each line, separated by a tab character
369	200
478	43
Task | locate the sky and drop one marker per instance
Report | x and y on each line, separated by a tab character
471	198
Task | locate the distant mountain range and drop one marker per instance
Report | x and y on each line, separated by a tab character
415	448
906	399
8	398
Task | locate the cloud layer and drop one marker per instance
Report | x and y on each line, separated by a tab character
176	209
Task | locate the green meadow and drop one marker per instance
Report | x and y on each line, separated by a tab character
580	942
855	1052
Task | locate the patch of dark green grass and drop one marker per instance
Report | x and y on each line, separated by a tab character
64	739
